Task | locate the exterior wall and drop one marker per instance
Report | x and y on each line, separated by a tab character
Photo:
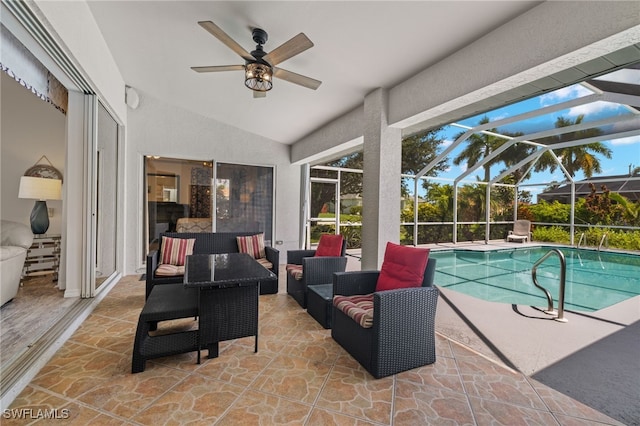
343	133
156	128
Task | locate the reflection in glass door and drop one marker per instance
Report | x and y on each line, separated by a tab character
177	199
244	199
324	203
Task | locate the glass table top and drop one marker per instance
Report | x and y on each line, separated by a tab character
223	269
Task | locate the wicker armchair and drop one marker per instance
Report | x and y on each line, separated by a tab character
403	333
315	270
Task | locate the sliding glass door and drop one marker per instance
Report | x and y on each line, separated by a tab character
106	192
178	198
244	199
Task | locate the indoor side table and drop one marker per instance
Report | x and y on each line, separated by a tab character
228	286
43	257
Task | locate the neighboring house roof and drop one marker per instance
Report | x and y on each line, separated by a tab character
625	185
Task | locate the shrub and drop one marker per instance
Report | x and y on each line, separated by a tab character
551	234
554	212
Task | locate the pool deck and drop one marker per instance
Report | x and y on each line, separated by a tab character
592	358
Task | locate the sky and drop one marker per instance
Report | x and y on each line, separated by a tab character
625	152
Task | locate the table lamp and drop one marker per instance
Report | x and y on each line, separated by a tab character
40	189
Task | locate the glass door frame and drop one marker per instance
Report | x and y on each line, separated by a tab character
144	214
309	219
91	190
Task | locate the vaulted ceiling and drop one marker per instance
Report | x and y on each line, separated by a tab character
358	47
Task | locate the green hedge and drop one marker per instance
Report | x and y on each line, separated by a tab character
617	239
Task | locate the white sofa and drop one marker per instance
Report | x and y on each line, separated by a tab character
15	239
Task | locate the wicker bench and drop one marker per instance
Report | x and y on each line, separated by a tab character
166	302
210	243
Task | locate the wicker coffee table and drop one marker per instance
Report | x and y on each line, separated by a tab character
319	301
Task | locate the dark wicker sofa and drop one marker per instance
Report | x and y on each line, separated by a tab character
210	243
403	333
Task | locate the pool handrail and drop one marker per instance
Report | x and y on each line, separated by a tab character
602	240
563	273
580	240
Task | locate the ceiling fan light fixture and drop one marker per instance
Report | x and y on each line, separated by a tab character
258	77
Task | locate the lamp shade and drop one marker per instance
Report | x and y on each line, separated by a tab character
258	76
37	188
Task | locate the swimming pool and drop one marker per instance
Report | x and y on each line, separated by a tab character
594	280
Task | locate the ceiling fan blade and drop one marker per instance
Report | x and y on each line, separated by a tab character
218	68
258	94
288	49
292	77
217	32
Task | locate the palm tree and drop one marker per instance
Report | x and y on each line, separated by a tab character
481	145
441	195
631	210
575	158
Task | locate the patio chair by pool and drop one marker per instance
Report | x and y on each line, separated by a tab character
521	231
388	328
311	267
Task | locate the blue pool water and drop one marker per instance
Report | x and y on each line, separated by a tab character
594	280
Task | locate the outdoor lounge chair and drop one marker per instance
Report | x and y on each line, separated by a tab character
311	267
521	231
401	335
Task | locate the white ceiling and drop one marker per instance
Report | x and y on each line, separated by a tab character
359	46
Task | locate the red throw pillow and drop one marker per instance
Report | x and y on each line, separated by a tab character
175	250
329	245
253	245
403	267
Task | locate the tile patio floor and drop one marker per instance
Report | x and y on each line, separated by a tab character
299	376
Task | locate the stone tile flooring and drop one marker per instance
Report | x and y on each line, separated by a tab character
299	376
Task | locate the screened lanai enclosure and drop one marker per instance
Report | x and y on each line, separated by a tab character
568	160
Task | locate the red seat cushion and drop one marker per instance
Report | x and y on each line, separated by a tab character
295	271
166	270
403	267
329	245
358	307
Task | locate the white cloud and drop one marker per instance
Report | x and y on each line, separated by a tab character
566	93
446	142
626	141
501	116
592	108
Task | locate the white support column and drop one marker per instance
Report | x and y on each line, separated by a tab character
454	232
380	180
487	214
572	217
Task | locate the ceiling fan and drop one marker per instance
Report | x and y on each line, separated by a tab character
260	66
